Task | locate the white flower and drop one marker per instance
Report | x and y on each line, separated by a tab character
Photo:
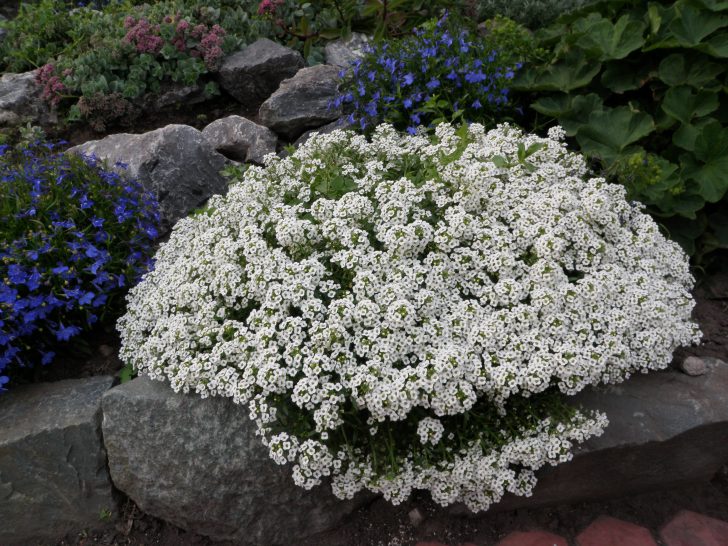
439	288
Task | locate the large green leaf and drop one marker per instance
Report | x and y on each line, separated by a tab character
621	76
693	24
606	41
709	166
714	5
688	69
686	134
684	103
716	46
612	131
572	112
566	75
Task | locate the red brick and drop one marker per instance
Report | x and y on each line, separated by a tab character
606	531
691	529
533	538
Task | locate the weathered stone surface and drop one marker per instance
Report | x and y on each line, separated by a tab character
607	531
21	102
341	123
302	102
176	163
253	73
533	538
198	464
692	529
344	51
667	429
171	96
693	365
53	476
241	139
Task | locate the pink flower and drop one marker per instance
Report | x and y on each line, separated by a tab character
182	26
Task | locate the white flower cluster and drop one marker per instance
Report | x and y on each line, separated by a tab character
411	274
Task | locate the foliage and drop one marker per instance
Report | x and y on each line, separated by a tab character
406	312
308	24
641	87
73	236
441	73
533	14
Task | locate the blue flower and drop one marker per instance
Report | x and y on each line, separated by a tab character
408	79
434	83
64	333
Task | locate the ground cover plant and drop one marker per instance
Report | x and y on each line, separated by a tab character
74	236
443	72
409	312
641	87
534	14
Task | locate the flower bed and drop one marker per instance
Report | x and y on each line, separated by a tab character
408	313
74	236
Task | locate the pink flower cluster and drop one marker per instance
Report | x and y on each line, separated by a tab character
269	7
146	38
53	87
143	35
211	46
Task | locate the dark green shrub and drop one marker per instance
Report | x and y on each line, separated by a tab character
641	88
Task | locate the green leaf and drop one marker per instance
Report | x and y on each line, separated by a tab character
711	150
620	77
613	41
684	103
567	75
693	25
714	5
610	132
716	46
571	112
686	134
681	69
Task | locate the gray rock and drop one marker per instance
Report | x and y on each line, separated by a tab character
53	476
302	102
343	52
693	365
240	139
21	102
252	74
171	96
198	464
176	163
341	123
666	429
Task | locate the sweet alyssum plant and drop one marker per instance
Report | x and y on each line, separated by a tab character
408	312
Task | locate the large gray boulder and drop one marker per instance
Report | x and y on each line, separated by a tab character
253	73
344	51
666	429
240	139
53	476
21	102
176	163
302	102
198	464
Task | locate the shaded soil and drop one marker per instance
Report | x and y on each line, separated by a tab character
381	524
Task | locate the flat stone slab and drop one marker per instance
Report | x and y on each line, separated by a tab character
666	429
53	476
197	463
